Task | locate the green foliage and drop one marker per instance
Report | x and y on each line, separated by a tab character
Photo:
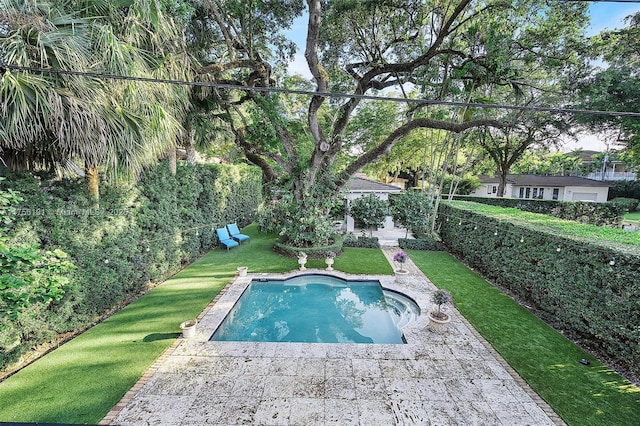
318	252
298	226
28	277
466	184
592	395
601	214
626	189
582	279
8	199
351	240
369	211
138	234
425	242
413	210
302	223
626	204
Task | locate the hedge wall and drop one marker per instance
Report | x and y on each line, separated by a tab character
589	290
602	214
139	234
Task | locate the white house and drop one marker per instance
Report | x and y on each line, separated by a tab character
562	188
612	168
359	186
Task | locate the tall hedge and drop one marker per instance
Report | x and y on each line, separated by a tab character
139	233
601	214
590	290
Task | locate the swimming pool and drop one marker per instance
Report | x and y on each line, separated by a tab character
317	309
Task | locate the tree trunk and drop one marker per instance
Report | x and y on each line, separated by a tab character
93	180
502	185
173	160
189	144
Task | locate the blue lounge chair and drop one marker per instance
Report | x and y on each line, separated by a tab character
235	233
225	239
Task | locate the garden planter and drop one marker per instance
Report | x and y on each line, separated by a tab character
242	271
438	323
302	261
188	328
329	262
402	276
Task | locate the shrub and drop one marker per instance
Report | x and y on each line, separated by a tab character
351	240
422	243
413	210
369	211
319	252
625	189
601	214
626	204
587	287
139	234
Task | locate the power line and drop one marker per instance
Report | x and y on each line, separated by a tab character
322	94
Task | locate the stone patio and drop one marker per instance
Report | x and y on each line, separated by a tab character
449	378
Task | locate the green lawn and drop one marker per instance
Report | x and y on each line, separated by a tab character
84	378
80	381
581	395
633	217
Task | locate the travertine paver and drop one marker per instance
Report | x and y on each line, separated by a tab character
452	378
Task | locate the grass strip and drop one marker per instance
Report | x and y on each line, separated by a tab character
82	380
569	228
549	362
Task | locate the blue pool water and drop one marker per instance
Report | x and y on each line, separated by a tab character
317	308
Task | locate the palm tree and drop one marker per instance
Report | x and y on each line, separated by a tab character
49	119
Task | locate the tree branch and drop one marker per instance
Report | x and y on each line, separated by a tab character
385	146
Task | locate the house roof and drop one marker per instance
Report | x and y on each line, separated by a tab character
585	155
541	180
360	184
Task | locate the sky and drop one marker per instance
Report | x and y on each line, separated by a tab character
604	15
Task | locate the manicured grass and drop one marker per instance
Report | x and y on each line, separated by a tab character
632	217
84	378
581	395
592	233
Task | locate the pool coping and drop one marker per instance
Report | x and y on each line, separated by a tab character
217	310
216	314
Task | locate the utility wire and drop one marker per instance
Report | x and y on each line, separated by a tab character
321	94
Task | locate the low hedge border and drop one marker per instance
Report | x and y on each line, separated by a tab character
601	214
587	290
312	252
361	242
429	244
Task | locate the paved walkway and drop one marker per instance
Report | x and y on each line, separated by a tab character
437	378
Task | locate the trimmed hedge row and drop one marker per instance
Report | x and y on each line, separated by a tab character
588	291
139	234
602	214
422	243
312	252
351	240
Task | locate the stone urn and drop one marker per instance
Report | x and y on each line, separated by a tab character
329	262
438	321
242	271
188	328
302	260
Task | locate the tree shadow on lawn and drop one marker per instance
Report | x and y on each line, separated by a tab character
154	337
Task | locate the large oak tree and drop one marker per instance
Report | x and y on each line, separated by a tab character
447	50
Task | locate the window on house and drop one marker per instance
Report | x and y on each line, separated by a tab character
541	193
489	189
495	189
556	193
528	193
521	195
535	192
